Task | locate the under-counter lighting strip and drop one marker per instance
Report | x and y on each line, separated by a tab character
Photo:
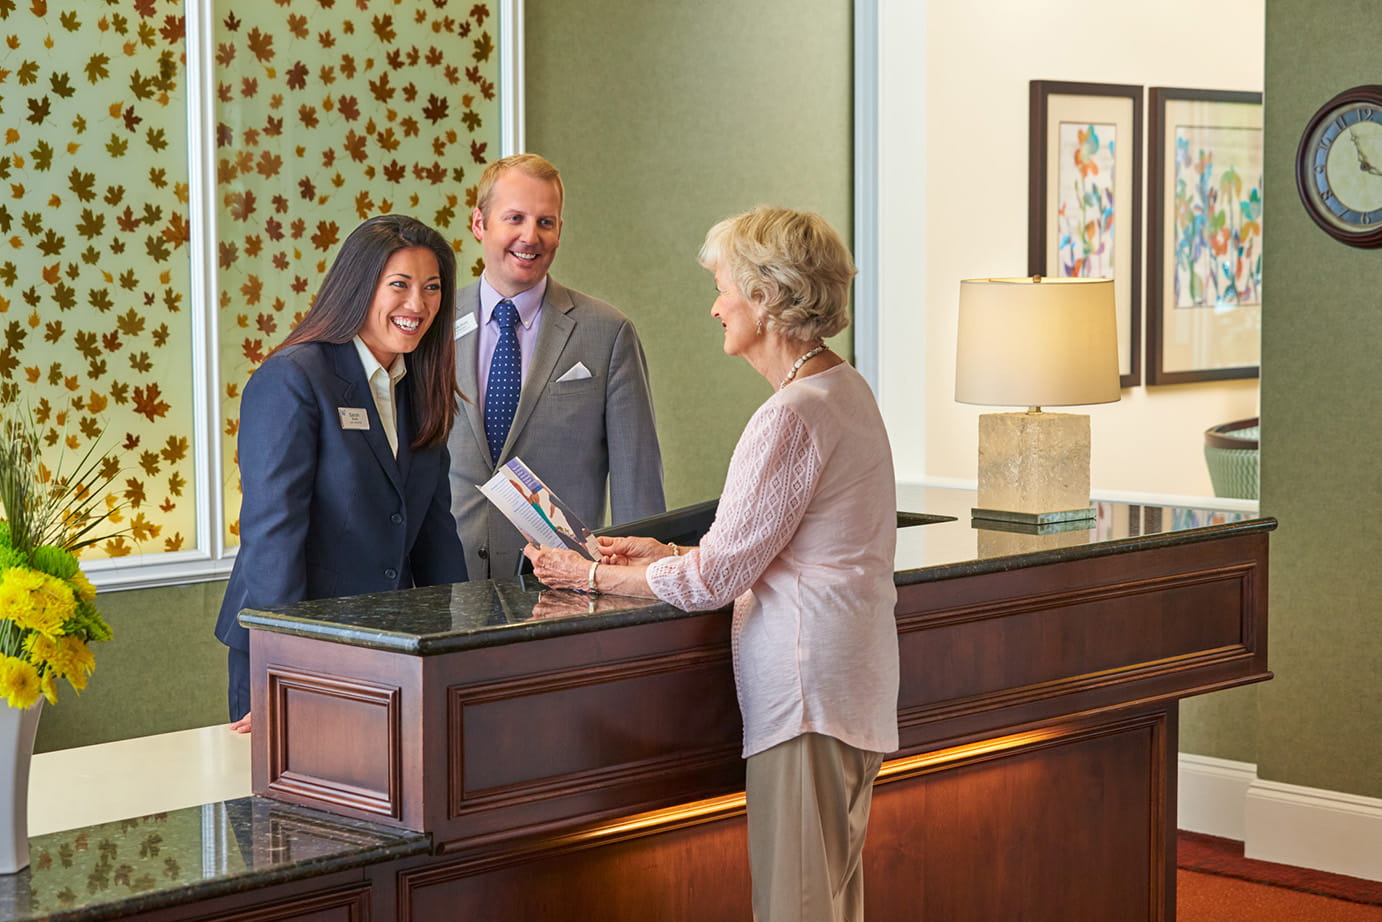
719	808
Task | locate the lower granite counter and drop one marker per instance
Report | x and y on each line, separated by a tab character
185	863
164	827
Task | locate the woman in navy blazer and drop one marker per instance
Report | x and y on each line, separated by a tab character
332	505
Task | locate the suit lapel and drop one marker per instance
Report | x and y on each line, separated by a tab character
467	363
403	413
355	392
553	333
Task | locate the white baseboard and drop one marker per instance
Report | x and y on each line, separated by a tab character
1311	828
1212	793
1286	823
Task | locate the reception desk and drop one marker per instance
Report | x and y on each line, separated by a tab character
565	757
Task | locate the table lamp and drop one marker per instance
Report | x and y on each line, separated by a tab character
1035	342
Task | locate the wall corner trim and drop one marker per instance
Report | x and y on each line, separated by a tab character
1212	793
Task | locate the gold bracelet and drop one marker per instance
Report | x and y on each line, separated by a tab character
676	551
590	577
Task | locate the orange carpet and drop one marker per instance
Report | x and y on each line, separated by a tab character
1224	857
1215	883
1210	898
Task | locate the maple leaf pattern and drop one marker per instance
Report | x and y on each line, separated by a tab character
328	113
90	109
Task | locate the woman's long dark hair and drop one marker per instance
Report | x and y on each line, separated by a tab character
343	302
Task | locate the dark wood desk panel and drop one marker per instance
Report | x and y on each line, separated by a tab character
588	768
1002	649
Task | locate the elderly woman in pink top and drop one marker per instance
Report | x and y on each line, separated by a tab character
803	543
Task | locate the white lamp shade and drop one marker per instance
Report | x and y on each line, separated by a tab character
1047	342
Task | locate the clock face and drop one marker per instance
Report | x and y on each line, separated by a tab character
1339	167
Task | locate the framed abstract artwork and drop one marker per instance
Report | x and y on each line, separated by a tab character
1085	196
1204	246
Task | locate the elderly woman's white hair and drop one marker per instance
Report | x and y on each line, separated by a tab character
792	264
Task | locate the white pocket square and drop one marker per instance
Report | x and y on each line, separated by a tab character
577	372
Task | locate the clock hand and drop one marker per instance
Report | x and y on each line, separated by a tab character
1363	163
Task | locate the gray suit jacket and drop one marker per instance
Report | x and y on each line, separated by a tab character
577	435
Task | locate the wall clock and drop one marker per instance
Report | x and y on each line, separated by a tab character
1339	167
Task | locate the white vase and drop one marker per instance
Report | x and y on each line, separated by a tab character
17	730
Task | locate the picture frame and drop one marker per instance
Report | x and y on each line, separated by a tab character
1204	235
1084	196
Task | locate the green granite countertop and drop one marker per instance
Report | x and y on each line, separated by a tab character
443	619
121	869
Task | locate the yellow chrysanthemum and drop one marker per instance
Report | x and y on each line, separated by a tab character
59	598
42	650
85	591
19	682
52	603
16	602
73	660
48	686
23	578
17	588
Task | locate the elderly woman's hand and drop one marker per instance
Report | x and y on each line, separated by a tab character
634	552
559	568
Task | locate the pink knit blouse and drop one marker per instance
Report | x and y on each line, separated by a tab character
803	542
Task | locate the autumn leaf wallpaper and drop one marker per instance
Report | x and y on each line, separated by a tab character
94	273
328	112
321	114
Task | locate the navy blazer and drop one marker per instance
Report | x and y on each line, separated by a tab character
327	510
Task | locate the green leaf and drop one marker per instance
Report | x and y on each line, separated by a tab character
39	110
143	87
91	224
42	155
156	247
51	244
61	85
82	184
96	68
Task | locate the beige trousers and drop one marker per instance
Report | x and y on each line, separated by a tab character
808	807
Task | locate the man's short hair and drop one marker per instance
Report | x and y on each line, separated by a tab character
534	165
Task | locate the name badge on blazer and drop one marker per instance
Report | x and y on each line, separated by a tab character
353	417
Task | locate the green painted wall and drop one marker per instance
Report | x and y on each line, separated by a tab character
162	671
1319	720
1316	723
665	118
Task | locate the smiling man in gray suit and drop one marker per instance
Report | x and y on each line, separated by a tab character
562	383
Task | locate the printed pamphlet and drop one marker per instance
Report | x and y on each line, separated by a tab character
537	512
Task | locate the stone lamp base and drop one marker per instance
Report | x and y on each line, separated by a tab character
1034	467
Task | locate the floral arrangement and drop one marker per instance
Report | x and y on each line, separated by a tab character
48	616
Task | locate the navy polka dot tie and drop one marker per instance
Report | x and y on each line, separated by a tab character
505	379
